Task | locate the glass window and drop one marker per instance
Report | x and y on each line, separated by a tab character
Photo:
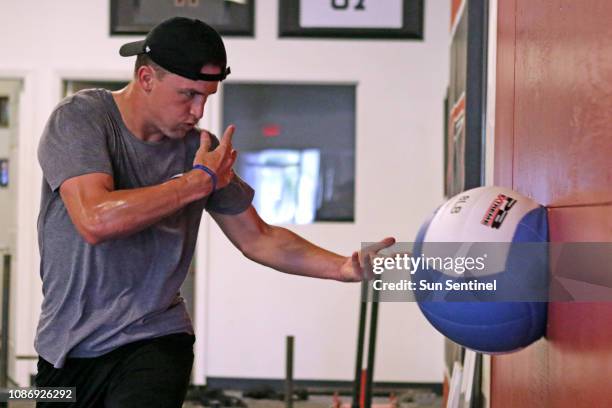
71	87
4	111
296	147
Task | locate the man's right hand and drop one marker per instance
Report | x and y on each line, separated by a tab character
221	160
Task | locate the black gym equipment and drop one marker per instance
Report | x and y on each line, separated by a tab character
362	385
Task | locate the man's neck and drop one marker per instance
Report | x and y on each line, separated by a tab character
133	112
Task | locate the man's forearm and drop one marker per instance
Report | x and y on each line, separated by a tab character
120	213
287	252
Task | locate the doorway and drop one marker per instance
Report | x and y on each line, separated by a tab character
9	106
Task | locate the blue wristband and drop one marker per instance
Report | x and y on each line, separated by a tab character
211	173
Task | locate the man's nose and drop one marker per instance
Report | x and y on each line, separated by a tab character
197	108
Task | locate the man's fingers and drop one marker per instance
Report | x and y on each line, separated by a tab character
367	260
205	140
356	264
385	243
227	136
228	161
355	260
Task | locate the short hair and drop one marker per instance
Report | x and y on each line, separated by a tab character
144	59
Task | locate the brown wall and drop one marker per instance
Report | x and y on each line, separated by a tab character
554	143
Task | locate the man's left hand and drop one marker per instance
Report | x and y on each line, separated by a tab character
358	266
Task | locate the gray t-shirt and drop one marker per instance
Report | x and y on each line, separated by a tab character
99	297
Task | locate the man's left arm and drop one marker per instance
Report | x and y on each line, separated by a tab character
285	251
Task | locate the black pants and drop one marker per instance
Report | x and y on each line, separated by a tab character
150	373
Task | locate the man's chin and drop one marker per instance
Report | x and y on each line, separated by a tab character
186	129
179	133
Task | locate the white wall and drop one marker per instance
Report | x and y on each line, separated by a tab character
248	309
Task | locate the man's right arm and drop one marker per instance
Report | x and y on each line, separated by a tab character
99	212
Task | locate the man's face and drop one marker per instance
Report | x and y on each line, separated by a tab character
176	104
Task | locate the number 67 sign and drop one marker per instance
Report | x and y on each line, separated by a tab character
351	18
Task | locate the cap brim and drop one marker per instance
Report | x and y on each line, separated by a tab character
131	49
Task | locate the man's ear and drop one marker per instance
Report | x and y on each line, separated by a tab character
145	76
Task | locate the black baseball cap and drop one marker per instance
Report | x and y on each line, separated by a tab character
183	46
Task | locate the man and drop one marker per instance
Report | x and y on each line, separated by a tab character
126	178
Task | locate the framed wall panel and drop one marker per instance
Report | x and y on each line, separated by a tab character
229	17
400	19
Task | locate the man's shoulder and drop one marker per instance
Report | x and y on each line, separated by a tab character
86	101
83	112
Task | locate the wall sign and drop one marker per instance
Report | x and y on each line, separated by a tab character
229	17
351	18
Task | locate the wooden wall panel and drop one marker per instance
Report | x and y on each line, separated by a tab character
519	379
572	366
504	104
580	334
563	101
554	143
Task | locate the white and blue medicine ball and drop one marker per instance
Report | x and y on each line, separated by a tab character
513	230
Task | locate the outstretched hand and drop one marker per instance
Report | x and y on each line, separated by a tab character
358	266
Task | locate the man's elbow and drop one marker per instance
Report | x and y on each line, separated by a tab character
247	248
92	239
253	246
92	229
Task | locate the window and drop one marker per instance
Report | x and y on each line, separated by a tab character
296	147
4	112
71	87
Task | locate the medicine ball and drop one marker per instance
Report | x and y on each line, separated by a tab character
512	231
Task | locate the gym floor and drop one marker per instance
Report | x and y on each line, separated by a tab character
324	401
316	401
